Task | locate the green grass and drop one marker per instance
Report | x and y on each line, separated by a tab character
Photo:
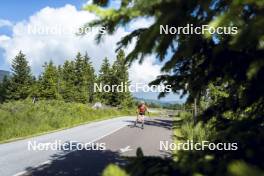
197	133
20	119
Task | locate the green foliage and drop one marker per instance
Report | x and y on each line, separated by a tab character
89	77
198	60
76	79
64	86
105	78
21	80
238	168
3	89
81	93
120	75
196	133
48	82
114	170
71	82
117	74
24	118
231	67
67	81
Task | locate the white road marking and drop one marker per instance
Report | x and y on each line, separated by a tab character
49	161
126	149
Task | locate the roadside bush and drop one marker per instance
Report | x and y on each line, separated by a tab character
24	118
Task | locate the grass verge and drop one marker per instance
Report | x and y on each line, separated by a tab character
21	119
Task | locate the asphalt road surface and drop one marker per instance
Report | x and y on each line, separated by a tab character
114	138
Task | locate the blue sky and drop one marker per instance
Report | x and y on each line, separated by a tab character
17	11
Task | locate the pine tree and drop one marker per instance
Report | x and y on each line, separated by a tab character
67	83
49	82
60	81
21	80
81	93
121	76
3	89
105	78
90	77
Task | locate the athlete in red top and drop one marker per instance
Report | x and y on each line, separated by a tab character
141	110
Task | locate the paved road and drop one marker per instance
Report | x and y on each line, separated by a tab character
115	133
148	139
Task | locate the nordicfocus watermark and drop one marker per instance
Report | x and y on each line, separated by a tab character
64	146
137	87
204	145
190	29
61	30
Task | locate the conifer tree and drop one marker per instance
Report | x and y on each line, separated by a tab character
67	82
105	78
21	80
121	76
90	77
81	93
60	81
49	82
3	89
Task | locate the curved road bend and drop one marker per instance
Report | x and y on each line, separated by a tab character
121	138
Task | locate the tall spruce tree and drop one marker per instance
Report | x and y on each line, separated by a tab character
67	82
90	77
21	81
4	84
105	78
60	81
49	82
81	91
121	76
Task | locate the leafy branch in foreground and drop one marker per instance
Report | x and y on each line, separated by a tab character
230	67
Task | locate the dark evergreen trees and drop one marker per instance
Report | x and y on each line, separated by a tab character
81	90
115	75
76	79
90	77
67	82
105	78
21	80
72	82
4	84
121	77
48	82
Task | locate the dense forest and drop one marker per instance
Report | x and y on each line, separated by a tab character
71	82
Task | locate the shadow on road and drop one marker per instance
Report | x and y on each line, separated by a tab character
93	162
78	163
81	162
159	122
86	163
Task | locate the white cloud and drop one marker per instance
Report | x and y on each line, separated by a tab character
43	48
145	72
4	23
89	2
140	23
4	39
